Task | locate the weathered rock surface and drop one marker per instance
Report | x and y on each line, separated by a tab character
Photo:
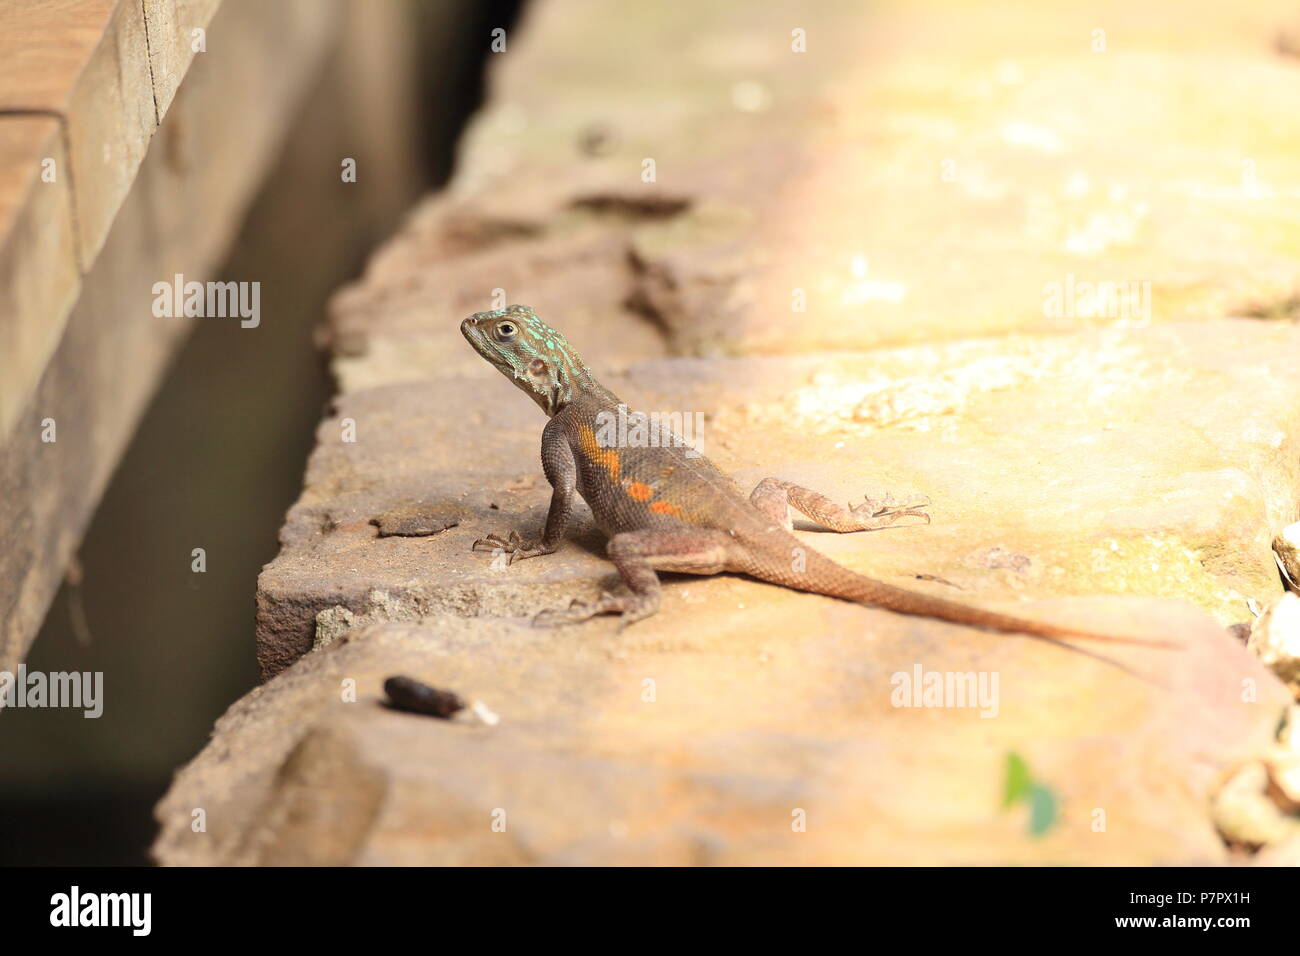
1092	463
1119	471
700	735
389	328
1065	465
923	171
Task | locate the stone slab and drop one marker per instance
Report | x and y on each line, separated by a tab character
705	734
1085	464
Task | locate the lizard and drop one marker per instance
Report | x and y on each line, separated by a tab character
665	507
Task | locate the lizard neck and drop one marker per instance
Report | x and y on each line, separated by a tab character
577	386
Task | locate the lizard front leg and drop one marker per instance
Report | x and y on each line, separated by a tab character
638	556
775	498
562	472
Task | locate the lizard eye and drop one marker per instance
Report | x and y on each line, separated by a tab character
505	331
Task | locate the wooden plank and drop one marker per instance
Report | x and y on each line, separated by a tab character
86	61
222	133
88	67
230	118
110	119
171	25
39	278
75	88
44	47
93	389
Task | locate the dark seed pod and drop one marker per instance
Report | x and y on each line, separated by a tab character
407	693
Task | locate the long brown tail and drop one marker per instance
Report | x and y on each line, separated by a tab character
824	576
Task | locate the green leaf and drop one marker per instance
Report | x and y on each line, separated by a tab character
1042	809
1018	781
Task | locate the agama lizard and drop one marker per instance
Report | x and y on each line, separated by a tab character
667	508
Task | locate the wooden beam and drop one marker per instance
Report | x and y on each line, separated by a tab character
39	278
93	373
98	83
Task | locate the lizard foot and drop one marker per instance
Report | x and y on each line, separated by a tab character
630	608
883	513
513	546
775	497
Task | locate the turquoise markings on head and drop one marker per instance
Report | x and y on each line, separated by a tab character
537	357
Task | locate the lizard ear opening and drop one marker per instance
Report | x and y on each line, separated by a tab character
537	368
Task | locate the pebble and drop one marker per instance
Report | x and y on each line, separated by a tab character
1275	638
407	693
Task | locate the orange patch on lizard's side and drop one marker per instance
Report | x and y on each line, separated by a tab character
639	492
607	458
664	508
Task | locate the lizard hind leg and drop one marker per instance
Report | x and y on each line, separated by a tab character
639	556
774	498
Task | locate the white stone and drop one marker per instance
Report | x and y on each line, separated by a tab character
1275	638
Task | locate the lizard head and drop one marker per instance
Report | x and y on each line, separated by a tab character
523	348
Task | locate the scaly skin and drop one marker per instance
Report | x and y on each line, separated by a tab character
666	508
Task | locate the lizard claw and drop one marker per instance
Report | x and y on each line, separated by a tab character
494	542
576	613
533	551
579	611
513	546
886	512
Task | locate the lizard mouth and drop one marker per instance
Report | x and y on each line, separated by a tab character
476	339
481	342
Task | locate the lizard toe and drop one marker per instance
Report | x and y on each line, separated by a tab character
550	618
872	514
492	542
